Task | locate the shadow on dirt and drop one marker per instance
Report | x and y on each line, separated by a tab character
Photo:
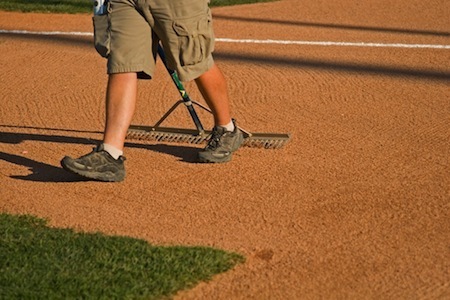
370	69
39	171
334	26
48	173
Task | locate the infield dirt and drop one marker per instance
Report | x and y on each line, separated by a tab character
356	206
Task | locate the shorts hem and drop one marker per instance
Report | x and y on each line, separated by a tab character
143	73
188	73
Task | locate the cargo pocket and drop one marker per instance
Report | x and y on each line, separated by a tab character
102	34
195	39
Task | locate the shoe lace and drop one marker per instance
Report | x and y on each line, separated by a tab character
214	141
87	155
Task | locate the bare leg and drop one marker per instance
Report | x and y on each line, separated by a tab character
213	87
120	104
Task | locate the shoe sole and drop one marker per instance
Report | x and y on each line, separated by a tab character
214	160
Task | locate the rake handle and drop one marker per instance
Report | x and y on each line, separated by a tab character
184	95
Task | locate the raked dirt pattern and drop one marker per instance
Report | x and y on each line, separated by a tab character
356	206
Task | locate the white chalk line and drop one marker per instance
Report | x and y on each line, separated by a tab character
46	32
330	43
269	41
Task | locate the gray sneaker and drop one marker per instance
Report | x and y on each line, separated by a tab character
221	145
98	165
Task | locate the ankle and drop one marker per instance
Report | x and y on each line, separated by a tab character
113	151
229	126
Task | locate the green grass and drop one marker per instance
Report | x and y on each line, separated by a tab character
39	262
80	6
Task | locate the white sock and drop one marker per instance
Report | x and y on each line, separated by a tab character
229	126
113	151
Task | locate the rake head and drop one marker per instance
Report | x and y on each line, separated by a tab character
198	136
180	135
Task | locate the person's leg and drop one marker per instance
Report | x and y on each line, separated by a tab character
226	138
105	163
213	87
120	104
131	55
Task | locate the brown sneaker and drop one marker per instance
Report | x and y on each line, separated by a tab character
98	165
221	145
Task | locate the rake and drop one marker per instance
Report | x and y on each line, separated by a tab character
199	134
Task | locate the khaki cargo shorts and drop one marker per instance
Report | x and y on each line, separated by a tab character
128	36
